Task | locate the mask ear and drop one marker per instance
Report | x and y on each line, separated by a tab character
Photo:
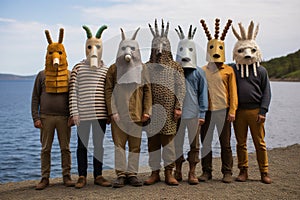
122	34
100	31
48	37
61	35
134	35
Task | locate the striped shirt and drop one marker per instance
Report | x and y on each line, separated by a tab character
86	97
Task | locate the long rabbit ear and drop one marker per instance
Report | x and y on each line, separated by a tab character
135	33
250	31
48	37
162	28
122	34
256	31
151	29
88	31
61	35
243	32
99	32
156	28
236	33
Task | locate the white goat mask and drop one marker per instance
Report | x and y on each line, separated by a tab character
128	62
186	50
93	47
246	51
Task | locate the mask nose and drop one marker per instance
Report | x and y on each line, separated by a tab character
55	59
94	57
247	54
127	54
216	56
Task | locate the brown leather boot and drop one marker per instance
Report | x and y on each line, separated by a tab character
154	178
192	179
205	176
243	175
68	181
265	178
177	172
42	184
100	180
169	178
81	182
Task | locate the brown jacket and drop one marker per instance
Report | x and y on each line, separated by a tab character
130	99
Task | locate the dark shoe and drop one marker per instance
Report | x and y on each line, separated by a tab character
134	181
169	178
68	181
192	180
100	180
227	178
205	176
178	175
119	182
243	175
81	182
154	178
42	184
265	178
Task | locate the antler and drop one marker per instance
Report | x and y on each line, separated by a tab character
180	33
217	28
48	37
61	35
205	29
88	31
226	29
99	32
191	34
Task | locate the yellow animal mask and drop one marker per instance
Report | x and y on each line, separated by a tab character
56	67
216	47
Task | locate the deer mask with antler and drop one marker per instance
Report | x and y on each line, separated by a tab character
246	52
216	47
56	67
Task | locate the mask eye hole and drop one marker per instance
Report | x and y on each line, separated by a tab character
98	46
50	53
211	46
123	48
60	52
180	49
191	49
253	50
221	47
132	48
240	50
89	47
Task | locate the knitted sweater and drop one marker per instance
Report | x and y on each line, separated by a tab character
87	92
254	91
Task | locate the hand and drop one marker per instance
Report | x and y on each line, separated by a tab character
108	121
115	117
71	122
76	120
145	117
261	118
231	117
201	121
177	114
38	124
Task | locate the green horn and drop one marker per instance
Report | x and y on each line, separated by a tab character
88	31
99	32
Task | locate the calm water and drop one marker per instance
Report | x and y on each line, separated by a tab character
20	146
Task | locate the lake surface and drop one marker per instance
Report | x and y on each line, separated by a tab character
20	141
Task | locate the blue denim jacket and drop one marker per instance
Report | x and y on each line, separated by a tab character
195	102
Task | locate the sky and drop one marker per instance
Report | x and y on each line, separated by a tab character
23	22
